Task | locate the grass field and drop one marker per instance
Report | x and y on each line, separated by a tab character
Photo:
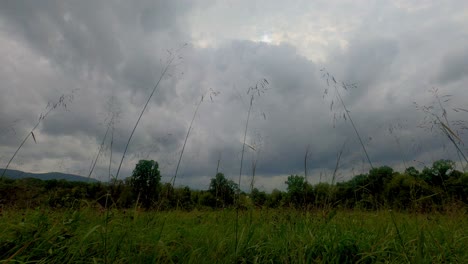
265	236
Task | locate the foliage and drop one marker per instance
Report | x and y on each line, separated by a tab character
258	198
439	173
145	182
435	188
296	186
269	236
223	190
274	200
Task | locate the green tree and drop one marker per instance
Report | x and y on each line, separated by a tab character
408	192
323	193
145	182
441	169
296	189
438	173
167	197
459	188
274	199
412	171
207	199
258	198
378	178
223	190
185	198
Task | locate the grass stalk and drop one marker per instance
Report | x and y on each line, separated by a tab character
185	141
255	155
347	112
306	158
257	89
108	193
447	130
61	102
101	147
450	135
155	88
240	171
254	169
444	126
400	238
337	165
354	127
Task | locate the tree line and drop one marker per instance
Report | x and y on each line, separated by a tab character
438	187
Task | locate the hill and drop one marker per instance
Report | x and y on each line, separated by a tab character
16	174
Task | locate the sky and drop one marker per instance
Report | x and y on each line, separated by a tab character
79	73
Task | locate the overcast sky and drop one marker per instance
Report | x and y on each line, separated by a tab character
104	58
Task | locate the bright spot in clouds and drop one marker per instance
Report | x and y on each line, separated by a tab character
266	38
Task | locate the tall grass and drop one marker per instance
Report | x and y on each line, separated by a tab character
170	60
63	100
254	167
347	114
265	236
172	57
101	147
392	130
253	91
211	93
437	116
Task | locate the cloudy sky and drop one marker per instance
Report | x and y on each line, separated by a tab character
97	62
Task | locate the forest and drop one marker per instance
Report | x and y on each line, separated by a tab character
381	216
437	188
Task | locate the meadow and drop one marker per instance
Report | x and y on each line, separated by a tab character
383	216
90	235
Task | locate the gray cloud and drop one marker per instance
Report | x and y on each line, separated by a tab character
454	67
394	53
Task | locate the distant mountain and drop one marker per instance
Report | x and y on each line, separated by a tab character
15	174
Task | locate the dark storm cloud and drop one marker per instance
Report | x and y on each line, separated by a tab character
454	67
394	54
369	62
73	34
